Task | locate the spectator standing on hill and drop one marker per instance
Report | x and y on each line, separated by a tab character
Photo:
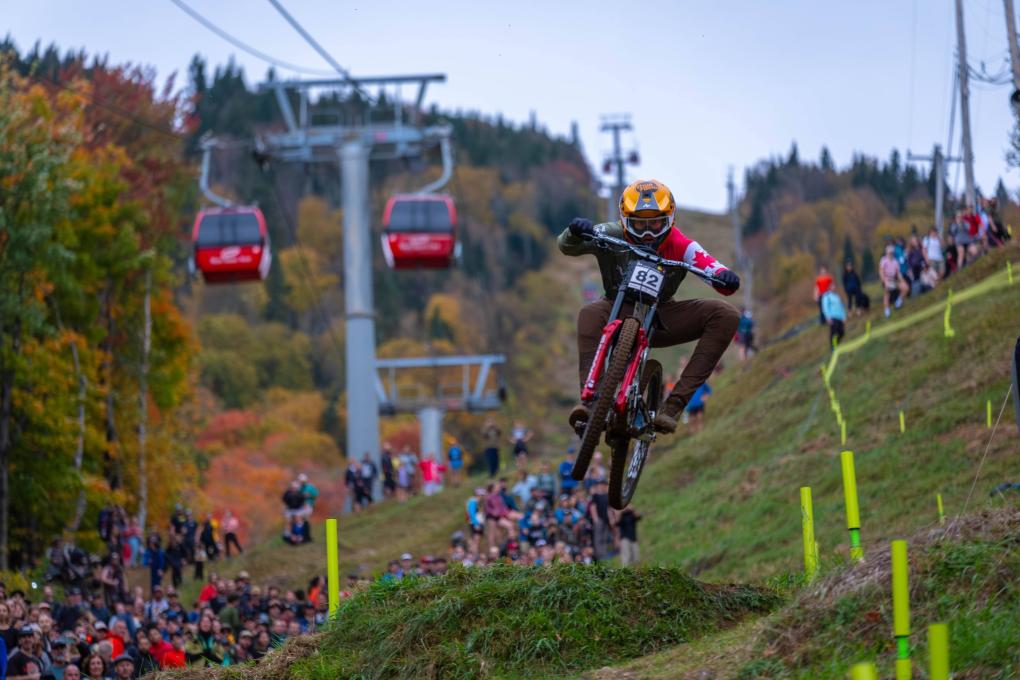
475	512
408	471
855	296
959	229
293	505
431	475
931	246
367	474
696	406
352	480
490	435
520	435
745	334
523	486
200	559
208	537
230	526
601	521
175	559
915	265
310	493
567	481
190	528
627	523
822	283
155	558
455	459
835	316
546	482
893	286
389	474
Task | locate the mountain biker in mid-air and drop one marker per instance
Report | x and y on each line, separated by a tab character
647	214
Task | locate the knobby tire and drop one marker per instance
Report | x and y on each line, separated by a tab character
620	493
611	380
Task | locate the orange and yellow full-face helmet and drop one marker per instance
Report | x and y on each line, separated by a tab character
647	210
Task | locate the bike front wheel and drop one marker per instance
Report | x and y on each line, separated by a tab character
608	384
630	455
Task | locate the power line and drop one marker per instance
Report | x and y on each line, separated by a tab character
259	54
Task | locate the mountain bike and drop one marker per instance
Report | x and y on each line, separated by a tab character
623	390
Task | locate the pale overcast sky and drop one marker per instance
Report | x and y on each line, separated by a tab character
709	84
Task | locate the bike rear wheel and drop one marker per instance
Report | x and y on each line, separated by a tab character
629	455
606	391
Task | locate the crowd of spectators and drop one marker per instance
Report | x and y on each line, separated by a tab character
912	266
542	518
230	622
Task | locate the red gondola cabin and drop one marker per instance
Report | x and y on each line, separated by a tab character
231	245
419	232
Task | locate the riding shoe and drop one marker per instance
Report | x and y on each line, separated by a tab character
665	419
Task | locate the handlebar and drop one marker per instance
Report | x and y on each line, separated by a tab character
604	241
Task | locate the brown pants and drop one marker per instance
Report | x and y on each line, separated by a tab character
711	322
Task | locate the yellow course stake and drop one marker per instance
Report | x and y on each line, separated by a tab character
807	521
867	330
947	328
333	565
938	648
842	433
988	413
901	609
853	513
903	422
942	515
863	671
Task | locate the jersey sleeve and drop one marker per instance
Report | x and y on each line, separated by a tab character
679	246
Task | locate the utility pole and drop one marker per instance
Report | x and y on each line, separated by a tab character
938	162
743	262
1014	55
616	125
968	150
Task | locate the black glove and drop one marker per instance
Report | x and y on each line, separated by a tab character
580	226
729	280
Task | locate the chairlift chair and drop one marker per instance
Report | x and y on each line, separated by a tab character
231	245
419	231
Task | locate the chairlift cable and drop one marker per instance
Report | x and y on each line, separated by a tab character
259	54
344	73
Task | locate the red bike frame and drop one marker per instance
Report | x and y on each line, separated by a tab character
632	368
595	372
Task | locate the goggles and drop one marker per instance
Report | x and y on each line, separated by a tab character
641	227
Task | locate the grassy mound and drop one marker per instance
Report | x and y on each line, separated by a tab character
510	621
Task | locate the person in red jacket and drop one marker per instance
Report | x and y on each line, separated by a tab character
158	646
431	474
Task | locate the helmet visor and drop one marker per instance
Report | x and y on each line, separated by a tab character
642	227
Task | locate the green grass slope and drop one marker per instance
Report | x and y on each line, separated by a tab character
724	503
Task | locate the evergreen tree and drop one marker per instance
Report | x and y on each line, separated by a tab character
825	162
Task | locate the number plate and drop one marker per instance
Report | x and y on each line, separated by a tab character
646	280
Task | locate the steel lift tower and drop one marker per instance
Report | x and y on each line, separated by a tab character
353	144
